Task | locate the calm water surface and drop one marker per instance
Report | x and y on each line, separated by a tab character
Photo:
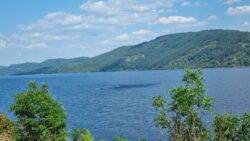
119	103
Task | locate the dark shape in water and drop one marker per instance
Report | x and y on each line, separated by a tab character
132	86
128	86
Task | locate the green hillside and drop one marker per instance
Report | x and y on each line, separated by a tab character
209	48
48	66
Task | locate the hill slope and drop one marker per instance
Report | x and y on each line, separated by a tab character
48	66
209	48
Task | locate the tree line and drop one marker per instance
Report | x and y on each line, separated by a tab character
39	117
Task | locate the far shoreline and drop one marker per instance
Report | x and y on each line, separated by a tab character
123	71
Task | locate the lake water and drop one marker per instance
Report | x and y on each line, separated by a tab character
119	103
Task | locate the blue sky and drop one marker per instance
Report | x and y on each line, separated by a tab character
32	31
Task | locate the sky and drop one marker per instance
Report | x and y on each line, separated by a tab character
36	30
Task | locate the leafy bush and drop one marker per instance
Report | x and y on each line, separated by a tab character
6	125
244	130
181	118
117	138
39	116
7	128
81	135
231	128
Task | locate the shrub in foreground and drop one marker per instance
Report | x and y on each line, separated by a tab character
79	134
181	118
39	116
7	128
232	128
117	138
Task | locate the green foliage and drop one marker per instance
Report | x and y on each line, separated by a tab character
209	48
75	134
142	139
226	127
48	66
39	116
181	118
244	130
231	128
81	135
117	138
6	126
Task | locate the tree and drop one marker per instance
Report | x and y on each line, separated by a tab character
75	134
244	130
7	128
226	127
117	138
81	135
181	118
39	116
232	128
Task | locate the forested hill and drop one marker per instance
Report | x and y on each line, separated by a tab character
209	48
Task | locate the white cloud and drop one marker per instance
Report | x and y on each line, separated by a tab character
106	42
103	14
95	6
34	40
199	3
212	18
239	10
189	2
246	23
113	7
122	37
36	36
134	37
61	29
124	12
185	3
62	18
142	32
2	43
37	46
54	20
177	20
97	27
230	1
96	17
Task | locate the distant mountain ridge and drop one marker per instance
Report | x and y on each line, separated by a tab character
208	48
47	66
